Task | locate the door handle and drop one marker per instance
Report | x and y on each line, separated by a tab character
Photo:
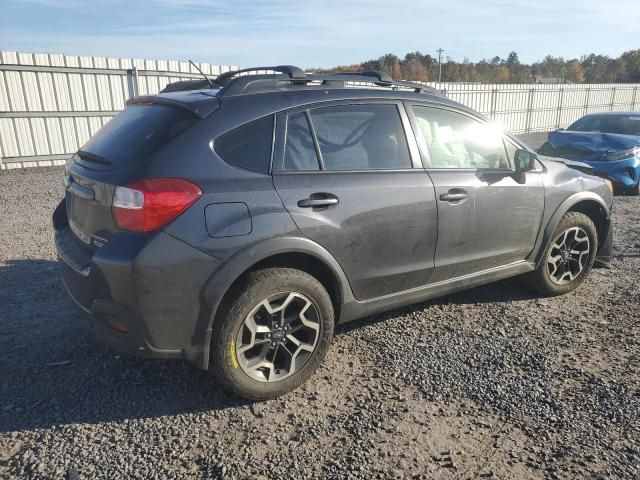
454	196
318	200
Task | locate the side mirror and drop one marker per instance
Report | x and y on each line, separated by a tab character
524	161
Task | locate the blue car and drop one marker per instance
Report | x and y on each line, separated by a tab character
608	142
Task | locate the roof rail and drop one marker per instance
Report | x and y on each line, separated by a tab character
293	72
382	77
290	77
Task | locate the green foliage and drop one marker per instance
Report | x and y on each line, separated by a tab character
631	65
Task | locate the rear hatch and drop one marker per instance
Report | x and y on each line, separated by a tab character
119	154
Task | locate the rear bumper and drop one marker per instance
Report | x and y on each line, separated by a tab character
143	292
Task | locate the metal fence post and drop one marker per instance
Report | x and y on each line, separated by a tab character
613	98
635	95
527	128
493	103
586	102
559	108
132	82
1	152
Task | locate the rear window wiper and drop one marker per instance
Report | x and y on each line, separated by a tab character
92	157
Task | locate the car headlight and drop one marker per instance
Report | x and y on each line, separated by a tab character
609	184
632	152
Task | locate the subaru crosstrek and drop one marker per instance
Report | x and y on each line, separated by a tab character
235	224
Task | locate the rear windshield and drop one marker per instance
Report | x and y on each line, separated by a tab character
133	135
620	124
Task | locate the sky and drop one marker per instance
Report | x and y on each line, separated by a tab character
318	33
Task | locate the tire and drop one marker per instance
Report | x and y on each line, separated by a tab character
245	332
545	279
635	190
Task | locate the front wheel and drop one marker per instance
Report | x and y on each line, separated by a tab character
272	334
568	257
635	190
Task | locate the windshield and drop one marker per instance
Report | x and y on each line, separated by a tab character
620	124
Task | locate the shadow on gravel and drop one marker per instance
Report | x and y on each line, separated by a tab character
55	372
504	291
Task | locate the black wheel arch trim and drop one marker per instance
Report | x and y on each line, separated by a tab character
221	281
545	235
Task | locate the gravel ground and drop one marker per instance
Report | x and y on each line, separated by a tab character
494	382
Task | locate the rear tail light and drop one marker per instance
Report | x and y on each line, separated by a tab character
151	204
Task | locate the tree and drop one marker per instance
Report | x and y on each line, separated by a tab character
389	63
415	70
631	65
575	72
467	72
551	67
521	74
450	71
596	68
518	73
411	65
396	71
501	74
512	60
417	66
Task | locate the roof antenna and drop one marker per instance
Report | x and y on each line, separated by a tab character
202	73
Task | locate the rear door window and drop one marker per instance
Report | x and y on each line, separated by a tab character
248	146
132	136
361	137
300	151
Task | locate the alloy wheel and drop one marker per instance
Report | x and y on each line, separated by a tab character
277	337
568	255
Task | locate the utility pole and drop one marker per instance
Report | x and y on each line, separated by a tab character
440	50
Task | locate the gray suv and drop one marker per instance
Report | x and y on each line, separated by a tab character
235	222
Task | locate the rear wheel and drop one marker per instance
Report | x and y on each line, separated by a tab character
272	334
568	257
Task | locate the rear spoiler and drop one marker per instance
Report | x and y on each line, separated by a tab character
183	85
199	103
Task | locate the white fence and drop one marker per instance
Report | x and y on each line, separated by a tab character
538	108
51	104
